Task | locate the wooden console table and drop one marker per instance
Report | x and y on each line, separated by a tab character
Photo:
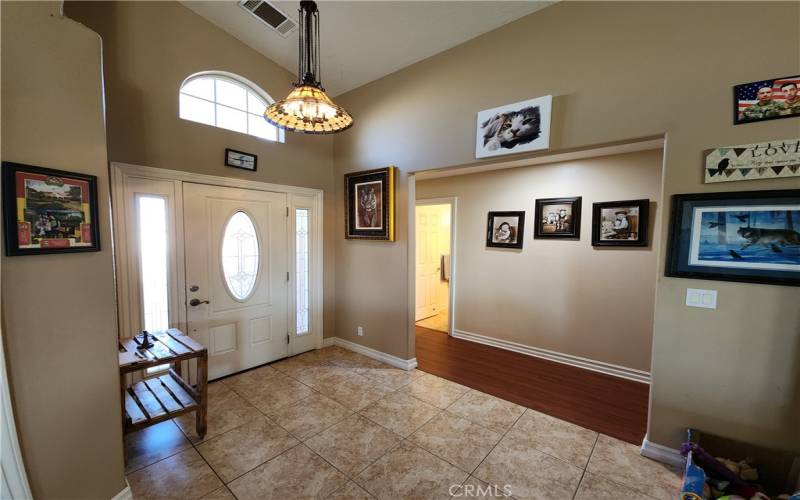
153	400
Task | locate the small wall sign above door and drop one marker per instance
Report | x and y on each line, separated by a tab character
239	159
762	160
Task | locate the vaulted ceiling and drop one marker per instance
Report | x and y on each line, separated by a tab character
365	40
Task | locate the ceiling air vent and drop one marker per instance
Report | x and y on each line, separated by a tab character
270	15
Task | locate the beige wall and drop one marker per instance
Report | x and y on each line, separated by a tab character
149	48
618	71
58	310
561	295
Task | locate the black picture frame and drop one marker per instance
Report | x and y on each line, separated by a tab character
738	120
228	160
53	207
384	180
641	230
540	229
681	261
518	231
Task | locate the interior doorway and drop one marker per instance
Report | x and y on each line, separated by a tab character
434	226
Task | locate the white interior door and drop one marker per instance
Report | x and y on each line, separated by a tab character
237	269
433	241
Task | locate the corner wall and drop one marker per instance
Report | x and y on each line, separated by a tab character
561	295
618	71
59	320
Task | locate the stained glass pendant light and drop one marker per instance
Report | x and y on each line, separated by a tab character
308	108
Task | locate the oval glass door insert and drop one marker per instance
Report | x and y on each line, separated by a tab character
240	254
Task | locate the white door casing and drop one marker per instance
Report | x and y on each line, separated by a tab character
252	328
128	181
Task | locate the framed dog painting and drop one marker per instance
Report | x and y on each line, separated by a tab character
751	236
514	128
49	211
505	229
369	204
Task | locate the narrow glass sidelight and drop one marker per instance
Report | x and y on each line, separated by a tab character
240	255
302	269
153	252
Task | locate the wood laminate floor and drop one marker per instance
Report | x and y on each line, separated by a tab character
610	405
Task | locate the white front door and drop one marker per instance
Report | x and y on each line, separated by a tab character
237	266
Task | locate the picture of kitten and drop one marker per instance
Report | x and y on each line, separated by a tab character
514	128
507	130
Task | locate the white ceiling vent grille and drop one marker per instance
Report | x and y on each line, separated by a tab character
269	15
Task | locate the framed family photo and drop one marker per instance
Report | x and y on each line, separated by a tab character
505	229
558	218
620	223
48	211
766	100
369	204
514	128
751	236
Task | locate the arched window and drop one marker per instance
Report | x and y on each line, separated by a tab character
227	101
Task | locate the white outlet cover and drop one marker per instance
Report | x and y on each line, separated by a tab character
705	299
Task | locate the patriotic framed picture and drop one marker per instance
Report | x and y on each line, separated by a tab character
49	211
766	100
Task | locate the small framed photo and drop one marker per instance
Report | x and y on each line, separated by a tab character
514	128
620	223
48	211
558	218
369	204
750	236
240	159
766	100
505	229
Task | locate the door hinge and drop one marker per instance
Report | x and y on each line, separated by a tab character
287	275
287	211
287	337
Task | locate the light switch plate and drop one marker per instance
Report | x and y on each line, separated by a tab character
706	299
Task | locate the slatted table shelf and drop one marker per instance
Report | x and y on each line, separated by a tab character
153	400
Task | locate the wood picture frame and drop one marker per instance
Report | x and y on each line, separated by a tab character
745	236
558	218
620	223
369	204
505	229
49	211
240	159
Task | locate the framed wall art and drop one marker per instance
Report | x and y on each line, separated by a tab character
514	128
48	211
369	204
751	236
766	100
620	223
240	159
505	229
558	218
749	162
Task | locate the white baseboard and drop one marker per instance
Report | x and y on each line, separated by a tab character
558	357
661	453
405	364
125	494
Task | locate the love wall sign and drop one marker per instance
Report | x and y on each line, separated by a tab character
763	160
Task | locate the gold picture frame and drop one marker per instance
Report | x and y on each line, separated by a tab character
369	210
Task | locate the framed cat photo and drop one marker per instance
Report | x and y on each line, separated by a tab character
505	229
514	128
750	236
558	218
369	204
620	223
49	211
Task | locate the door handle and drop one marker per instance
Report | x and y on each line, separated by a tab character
197	302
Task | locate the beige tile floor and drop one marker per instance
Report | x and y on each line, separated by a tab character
336	424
